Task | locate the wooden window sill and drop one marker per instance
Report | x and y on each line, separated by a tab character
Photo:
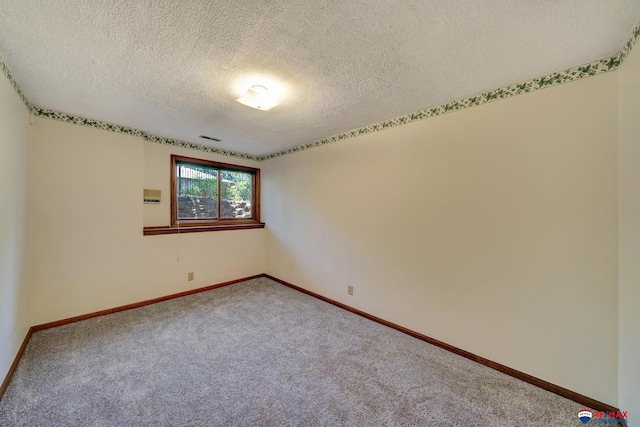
154	231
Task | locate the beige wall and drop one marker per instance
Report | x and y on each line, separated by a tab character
629	247
493	229
14	128
86	215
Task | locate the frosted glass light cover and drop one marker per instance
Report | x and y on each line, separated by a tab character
258	97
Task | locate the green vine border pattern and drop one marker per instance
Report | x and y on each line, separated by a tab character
97	124
14	84
575	73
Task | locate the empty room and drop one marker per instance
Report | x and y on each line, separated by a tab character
419	213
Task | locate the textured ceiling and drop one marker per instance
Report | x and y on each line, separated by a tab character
174	68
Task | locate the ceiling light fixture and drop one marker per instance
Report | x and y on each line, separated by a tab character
258	97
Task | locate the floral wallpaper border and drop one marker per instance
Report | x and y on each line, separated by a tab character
631	42
97	124
14	84
575	73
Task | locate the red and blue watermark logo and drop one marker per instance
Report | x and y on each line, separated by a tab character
602	417
585	415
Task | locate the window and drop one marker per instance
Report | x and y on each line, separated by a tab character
209	196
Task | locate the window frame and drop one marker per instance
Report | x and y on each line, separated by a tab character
207	224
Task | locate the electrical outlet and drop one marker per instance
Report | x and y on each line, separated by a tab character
350	289
190	276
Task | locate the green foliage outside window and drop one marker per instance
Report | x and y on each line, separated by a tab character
235	186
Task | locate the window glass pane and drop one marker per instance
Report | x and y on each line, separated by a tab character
197	191
235	192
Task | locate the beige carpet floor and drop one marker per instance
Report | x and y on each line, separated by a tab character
259	354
